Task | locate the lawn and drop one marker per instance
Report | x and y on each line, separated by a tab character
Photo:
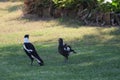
98	48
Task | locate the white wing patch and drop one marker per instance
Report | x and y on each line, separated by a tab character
36	59
28	50
67	49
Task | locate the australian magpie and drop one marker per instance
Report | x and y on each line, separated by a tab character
64	49
31	51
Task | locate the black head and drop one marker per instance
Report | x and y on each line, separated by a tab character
26	36
60	40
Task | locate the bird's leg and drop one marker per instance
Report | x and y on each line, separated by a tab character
66	60
32	61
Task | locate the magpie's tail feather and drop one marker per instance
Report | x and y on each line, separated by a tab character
40	61
73	51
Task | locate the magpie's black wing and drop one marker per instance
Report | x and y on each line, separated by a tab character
29	46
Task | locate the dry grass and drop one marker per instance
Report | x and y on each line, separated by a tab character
97	48
14	27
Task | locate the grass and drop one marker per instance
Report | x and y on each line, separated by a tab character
98	48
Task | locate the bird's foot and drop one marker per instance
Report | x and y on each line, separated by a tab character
41	64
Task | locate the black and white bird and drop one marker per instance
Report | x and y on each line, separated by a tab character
64	49
31	51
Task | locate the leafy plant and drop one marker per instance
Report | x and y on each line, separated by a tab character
116	6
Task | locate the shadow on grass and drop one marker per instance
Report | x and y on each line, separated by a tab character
95	60
14	8
115	32
69	22
11	54
66	22
10	0
3	0
90	49
94	50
